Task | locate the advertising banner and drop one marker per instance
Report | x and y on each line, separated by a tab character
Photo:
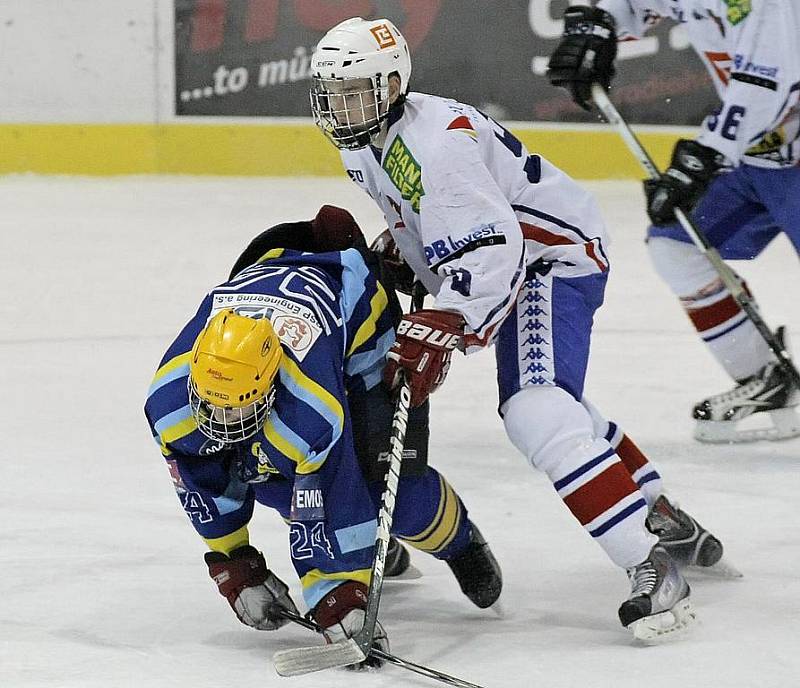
250	58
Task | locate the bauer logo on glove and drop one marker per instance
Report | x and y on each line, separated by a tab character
425	343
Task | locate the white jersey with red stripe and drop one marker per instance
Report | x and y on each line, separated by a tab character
471	210
750	49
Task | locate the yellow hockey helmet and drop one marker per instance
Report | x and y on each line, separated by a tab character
231	372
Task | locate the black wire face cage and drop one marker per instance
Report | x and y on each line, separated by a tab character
227	424
349	118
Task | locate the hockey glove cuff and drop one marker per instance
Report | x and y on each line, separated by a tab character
256	595
423	348
691	170
341	615
586	53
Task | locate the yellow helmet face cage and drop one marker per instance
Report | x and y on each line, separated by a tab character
233	366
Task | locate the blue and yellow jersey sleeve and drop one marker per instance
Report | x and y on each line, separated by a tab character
370	330
167	406
218	504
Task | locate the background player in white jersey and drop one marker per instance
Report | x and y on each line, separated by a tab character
513	251
740	177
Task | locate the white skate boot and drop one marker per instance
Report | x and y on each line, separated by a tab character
763	406
658	606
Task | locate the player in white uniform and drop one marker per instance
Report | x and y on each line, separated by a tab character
514	253
740	177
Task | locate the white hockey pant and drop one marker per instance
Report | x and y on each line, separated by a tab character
557	434
730	335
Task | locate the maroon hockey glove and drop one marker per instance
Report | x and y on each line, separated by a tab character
256	595
334	229
425	342
341	614
397	270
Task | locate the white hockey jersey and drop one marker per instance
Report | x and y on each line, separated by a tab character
751	49
471	209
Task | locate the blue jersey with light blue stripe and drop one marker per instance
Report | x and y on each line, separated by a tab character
335	327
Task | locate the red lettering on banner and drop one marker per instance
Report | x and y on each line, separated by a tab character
208	25
321	15
260	20
420	15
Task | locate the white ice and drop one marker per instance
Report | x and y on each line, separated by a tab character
103	578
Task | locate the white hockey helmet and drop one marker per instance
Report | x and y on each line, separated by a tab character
350	71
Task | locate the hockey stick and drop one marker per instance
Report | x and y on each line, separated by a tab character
304	660
392	659
729	278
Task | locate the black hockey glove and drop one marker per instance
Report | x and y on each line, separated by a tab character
586	53
691	170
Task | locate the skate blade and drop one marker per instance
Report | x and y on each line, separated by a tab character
411	573
499	610
722	569
664	626
782	424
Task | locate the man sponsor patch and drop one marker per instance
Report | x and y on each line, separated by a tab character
296	326
404	172
738	10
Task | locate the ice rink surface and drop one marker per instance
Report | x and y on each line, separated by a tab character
103	579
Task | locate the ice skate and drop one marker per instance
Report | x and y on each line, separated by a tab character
684	539
763	406
398	562
659	605
477	571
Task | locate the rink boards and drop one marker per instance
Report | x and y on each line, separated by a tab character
281	147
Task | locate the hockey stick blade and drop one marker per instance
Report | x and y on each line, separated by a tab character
306	660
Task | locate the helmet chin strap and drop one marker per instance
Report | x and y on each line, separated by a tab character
379	139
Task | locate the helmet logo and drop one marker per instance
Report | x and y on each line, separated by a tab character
217	375
265	347
383	36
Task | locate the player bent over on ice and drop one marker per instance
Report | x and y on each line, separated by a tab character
514	253
740	179
272	393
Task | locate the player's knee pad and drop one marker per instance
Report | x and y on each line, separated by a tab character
683	267
600	424
546	424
